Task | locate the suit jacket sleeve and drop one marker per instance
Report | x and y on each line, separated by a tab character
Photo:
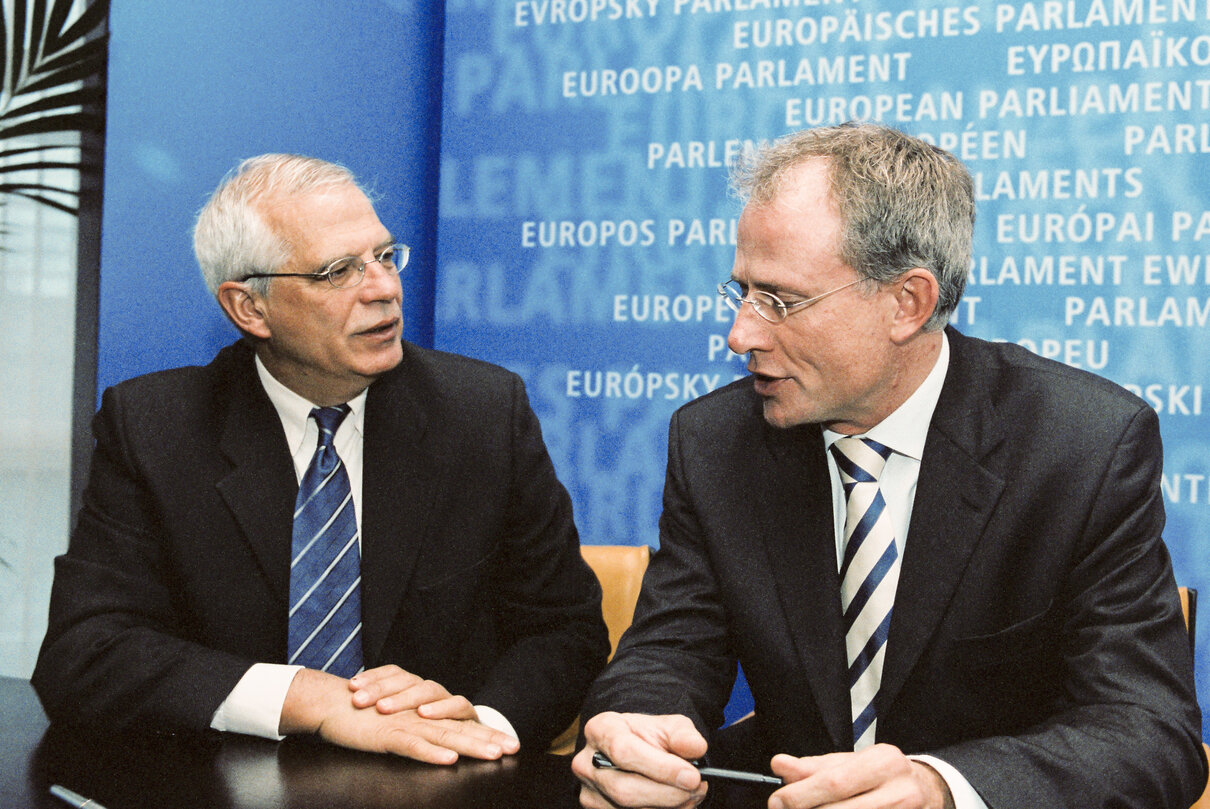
553	639
676	657
119	650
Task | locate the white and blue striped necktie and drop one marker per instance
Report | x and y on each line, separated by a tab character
869	575
325	563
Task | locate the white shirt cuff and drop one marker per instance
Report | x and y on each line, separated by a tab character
963	793
494	720
254	705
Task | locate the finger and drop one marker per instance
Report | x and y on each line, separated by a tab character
810	781
456	707
793	769
402	742
631	789
374	684
363	678
442	741
464	737
612	788
591	799
684	740
413	695
674	734
827	779
476	729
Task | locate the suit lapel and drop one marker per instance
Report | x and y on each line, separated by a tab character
261	487
796	519
400	480
955	498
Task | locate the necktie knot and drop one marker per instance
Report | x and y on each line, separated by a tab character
860	460
328	420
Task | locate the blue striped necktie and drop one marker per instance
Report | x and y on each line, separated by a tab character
325	563
869	575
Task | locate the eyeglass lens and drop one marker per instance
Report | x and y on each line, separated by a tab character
767	305
349	270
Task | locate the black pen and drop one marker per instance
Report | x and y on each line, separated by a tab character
601	761
76	800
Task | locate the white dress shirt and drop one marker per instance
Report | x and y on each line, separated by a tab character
254	706
904	431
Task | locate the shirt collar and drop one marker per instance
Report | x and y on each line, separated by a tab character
295	411
906	429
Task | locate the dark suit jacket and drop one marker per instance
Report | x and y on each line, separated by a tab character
1036	641
177	575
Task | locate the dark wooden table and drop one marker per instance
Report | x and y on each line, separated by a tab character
230	771
217	771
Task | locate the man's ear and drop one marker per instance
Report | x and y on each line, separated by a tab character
244	308
916	295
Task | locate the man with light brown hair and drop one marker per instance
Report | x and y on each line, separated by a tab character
937	559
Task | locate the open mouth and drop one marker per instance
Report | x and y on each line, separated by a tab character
764	384
383	329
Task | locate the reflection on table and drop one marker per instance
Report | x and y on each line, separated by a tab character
230	771
217	771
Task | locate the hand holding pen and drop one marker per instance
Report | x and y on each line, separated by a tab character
651	754
645	760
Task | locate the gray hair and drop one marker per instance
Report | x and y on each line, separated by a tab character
232	239
905	203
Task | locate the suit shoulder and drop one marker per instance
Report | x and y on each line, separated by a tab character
444	371
453	384
181	395
724	409
151	384
1041	390
1020	366
735	396
446	364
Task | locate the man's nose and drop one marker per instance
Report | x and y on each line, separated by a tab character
749	331
380	281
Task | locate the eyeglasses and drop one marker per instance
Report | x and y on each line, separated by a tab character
348	271
766	304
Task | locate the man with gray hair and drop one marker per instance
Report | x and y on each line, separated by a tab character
326	530
937	559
